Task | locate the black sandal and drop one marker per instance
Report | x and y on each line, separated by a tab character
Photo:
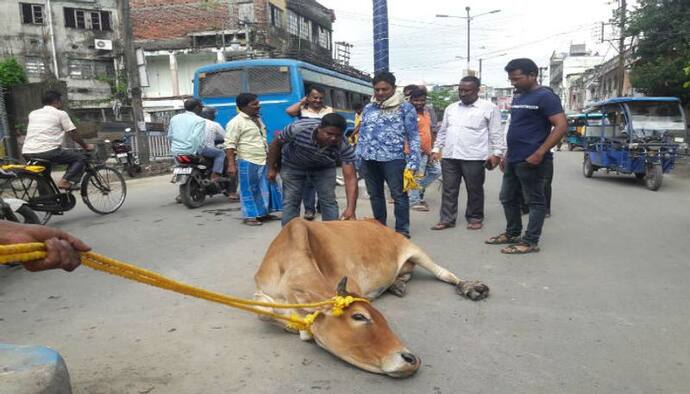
503	239
520	248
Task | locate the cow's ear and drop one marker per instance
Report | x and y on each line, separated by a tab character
341	290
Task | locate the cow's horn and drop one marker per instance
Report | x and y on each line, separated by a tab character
341	290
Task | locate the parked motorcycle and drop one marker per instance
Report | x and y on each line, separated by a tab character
14	209
193	174
122	150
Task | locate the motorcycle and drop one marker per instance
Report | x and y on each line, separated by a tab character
193	174
14	209
122	150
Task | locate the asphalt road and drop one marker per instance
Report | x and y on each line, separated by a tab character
602	308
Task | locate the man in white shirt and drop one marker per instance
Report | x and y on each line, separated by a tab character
45	133
470	139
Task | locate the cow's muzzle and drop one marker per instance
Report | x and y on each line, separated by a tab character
401	364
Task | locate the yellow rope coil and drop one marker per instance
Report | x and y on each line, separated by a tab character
409	180
23	253
10	167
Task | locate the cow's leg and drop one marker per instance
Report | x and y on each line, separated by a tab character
473	290
399	287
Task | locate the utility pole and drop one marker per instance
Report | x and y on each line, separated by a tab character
621	48
480	69
132	70
468	39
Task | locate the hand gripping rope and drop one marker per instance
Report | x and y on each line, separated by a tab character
22	253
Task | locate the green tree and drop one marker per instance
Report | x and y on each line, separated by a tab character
663	52
11	73
441	98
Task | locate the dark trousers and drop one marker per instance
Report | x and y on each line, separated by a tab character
548	175
295	181
75	161
390	172
531	180
453	171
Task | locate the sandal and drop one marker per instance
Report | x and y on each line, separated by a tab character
268	218
252	222
520	248
503	239
443	226
234	198
474	226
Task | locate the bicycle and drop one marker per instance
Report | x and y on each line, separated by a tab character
103	189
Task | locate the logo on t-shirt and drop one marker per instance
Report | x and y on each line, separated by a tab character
524	106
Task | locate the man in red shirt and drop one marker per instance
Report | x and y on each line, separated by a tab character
428	167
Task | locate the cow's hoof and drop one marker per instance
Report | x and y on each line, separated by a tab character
398	288
473	290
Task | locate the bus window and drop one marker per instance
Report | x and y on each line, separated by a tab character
264	80
327	97
226	83
339	99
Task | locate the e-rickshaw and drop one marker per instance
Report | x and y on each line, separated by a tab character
576	130
634	135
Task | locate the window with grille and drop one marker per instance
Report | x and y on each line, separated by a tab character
324	38
304	28
34	65
90	69
263	80
293	23
276	16
87	19
32	13
245	12
221	84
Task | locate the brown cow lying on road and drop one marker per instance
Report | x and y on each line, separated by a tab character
309	261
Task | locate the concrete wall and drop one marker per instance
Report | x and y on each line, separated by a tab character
160	76
33	40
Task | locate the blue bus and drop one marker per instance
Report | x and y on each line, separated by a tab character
278	83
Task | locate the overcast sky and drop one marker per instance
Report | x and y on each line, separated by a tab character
423	48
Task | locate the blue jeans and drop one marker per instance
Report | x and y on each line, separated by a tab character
390	172
218	157
531	179
309	197
295	181
431	171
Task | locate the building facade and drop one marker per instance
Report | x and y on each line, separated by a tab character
178	36
77	42
564	68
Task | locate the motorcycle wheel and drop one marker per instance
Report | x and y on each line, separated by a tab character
193	193
28	215
131	171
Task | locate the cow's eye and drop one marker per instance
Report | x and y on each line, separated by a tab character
359	317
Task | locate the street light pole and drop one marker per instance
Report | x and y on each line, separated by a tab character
469	19
468	39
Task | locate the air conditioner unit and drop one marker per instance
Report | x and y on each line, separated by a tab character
103	45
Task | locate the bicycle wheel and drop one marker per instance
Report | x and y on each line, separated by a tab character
103	190
28	186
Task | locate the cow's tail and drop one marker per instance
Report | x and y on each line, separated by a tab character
420	258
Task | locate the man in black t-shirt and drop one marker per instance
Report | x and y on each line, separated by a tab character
535	111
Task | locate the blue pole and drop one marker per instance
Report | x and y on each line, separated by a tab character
380	35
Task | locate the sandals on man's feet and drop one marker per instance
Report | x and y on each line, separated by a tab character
503	239
443	226
252	222
520	248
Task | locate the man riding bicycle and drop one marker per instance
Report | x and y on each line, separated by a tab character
45	133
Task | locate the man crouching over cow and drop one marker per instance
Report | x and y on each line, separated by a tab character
313	261
309	149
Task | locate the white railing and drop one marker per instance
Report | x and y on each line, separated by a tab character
159	147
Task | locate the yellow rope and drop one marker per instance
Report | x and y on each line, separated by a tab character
409	180
23	253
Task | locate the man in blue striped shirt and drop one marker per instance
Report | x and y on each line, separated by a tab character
308	150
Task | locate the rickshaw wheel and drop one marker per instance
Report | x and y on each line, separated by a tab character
587	168
654	177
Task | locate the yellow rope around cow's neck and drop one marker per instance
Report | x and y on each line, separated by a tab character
22	253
